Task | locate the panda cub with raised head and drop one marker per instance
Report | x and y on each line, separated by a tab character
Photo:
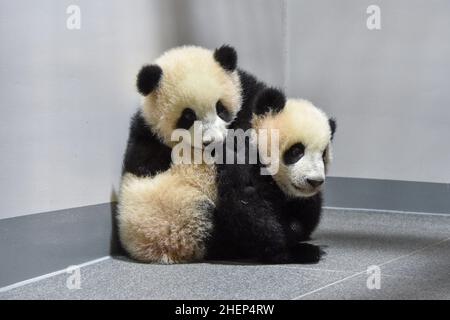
165	211
267	216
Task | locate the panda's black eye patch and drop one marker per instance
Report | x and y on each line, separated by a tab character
294	153
186	119
222	112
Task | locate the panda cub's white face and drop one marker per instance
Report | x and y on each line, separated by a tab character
304	173
189	84
305	134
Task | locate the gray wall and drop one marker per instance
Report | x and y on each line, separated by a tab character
66	96
254	27
389	89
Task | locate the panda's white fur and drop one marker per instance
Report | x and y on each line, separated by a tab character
298	121
166	218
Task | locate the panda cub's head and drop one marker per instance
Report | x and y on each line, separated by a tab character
188	84
305	134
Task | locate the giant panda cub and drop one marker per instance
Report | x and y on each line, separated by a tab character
186	84
268	216
165	211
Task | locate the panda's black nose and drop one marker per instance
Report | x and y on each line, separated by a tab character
315	182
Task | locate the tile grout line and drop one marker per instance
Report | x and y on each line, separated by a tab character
388	211
312	269
335	271
415	251
328	285
380	265
50	275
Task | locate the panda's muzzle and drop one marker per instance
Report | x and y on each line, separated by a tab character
309	190
315	183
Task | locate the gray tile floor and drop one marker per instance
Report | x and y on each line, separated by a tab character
412	252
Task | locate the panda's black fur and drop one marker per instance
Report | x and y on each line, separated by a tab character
145	154
254	219
251	87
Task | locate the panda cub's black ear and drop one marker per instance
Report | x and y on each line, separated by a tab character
269	99
226	56
148	78
333	126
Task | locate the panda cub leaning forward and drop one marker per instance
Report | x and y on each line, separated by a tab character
184	85
164	210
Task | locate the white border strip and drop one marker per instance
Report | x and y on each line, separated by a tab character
390	211
49	275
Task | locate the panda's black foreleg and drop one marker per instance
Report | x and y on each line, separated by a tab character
307	253
145	154
271	243
302	216
244	228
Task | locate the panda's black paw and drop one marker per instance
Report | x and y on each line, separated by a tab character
307	253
